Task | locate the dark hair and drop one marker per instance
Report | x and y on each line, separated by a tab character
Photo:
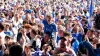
48	33
66	34
40	33
62	38
56	14
34	31
25	22
1	26
7	37
15	50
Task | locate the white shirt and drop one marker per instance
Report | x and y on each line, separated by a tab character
38	42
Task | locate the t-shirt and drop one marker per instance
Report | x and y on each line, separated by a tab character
75	46
78	36
49	28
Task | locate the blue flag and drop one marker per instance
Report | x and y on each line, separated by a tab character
91	9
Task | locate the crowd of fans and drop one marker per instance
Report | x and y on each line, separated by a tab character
49	28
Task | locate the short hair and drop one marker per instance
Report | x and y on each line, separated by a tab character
1	26
15	50
62	38
34	31
48	33
7	37
49	16
67	34
25	22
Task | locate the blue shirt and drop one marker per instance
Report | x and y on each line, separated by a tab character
78	36
49	27
75	46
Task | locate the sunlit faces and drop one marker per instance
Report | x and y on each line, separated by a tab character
90	33
48	17
60	33
61	30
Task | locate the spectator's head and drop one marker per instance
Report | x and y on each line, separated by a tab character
15	50
48	17
61	30
10	14
25	22
7	39
75	29
33	33
1	27
47	36
6	26
28	16
90	32
40	27
60	22
28	27
46	47
20	8
67	25
67	35
98	10
21	13
2	15
63	43
28	7
97	33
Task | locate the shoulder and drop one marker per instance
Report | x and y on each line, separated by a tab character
53	24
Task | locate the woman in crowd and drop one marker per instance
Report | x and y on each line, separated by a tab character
42	27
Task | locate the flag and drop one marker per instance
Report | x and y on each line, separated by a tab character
91	9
